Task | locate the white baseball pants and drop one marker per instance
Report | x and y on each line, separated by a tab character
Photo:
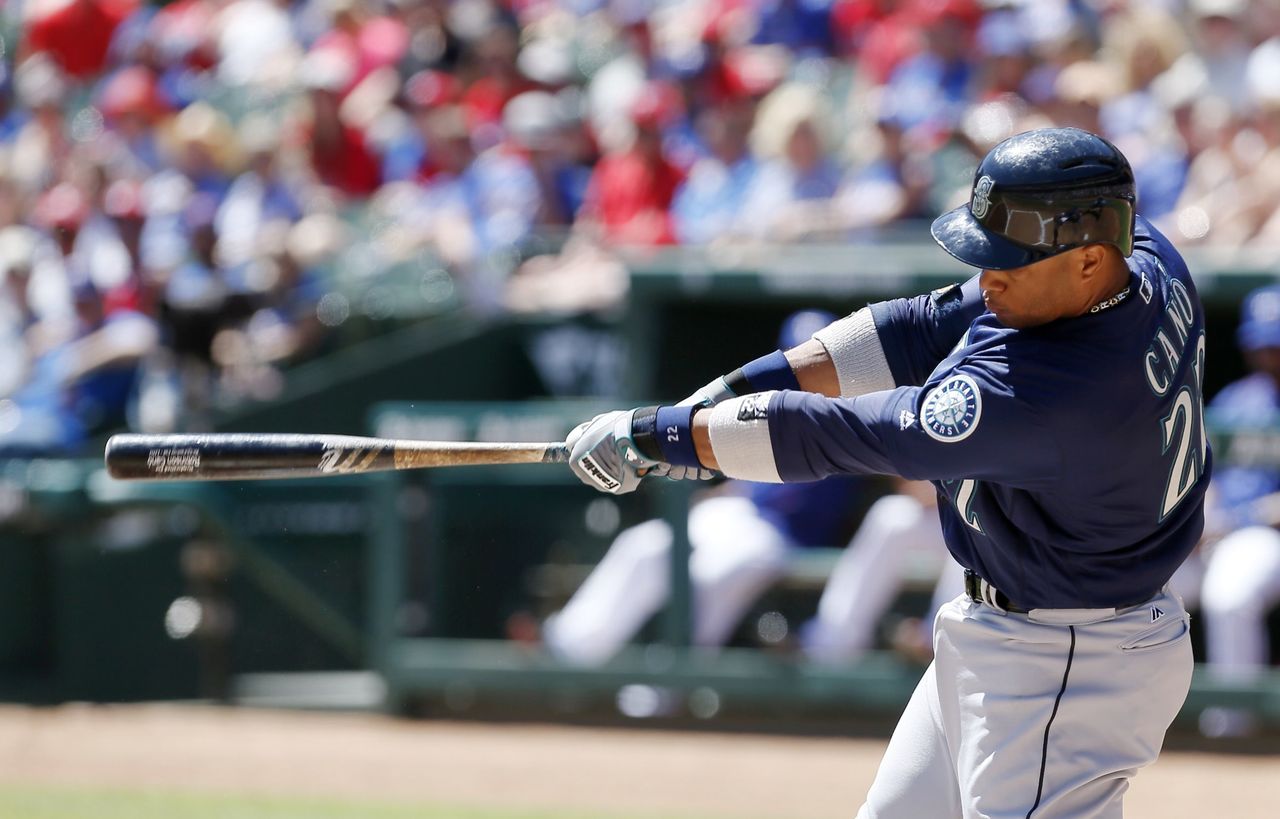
1044	715
736	555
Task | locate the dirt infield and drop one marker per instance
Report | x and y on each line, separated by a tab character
610	771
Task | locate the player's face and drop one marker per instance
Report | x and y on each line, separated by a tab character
1037	294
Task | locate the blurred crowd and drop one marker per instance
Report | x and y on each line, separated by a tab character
180	180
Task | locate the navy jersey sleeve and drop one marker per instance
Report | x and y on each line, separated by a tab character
967	425
917	333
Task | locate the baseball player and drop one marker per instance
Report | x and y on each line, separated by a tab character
1055	402
741	540
1242	571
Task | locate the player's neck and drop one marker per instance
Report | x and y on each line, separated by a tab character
1110	290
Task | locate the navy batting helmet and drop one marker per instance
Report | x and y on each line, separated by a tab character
1039	194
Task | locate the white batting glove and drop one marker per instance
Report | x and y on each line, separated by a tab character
679	472
604	456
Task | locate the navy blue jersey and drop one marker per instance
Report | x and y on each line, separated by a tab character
1072	456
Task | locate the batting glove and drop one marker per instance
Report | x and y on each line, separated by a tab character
604	456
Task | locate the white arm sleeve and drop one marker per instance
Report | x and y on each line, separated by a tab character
739	432
854	348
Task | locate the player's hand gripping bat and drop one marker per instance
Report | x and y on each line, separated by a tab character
247	456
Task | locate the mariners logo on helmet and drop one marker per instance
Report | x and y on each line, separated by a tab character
952	410
981	197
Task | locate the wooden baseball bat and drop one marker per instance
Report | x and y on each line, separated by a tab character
252	456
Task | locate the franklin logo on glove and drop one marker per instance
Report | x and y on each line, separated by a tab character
601	478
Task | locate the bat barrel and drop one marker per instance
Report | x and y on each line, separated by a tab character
243	456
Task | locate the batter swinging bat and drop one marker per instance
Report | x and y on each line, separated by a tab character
249	456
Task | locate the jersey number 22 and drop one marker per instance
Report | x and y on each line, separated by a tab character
1184	435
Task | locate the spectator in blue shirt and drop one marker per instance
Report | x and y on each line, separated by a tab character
791	140
708	202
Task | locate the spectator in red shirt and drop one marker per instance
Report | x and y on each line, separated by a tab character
76	33
630	193
430	97
369	41
340	152
124	205
132	108
496	81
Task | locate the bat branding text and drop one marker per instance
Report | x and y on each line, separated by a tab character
171	461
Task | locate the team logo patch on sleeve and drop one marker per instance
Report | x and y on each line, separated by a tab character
754	407
951	411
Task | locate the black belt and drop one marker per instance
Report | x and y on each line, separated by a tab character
983	592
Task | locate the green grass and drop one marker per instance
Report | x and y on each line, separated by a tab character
54	802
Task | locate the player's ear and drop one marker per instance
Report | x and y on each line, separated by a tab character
1092	261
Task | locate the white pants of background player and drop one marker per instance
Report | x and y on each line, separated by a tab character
898	531
1241	585
736	555
1047	714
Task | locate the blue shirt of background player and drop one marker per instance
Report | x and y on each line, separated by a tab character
1071	456
810	514
1252	402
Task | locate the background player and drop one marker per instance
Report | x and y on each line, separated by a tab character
1242	573
1055	401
